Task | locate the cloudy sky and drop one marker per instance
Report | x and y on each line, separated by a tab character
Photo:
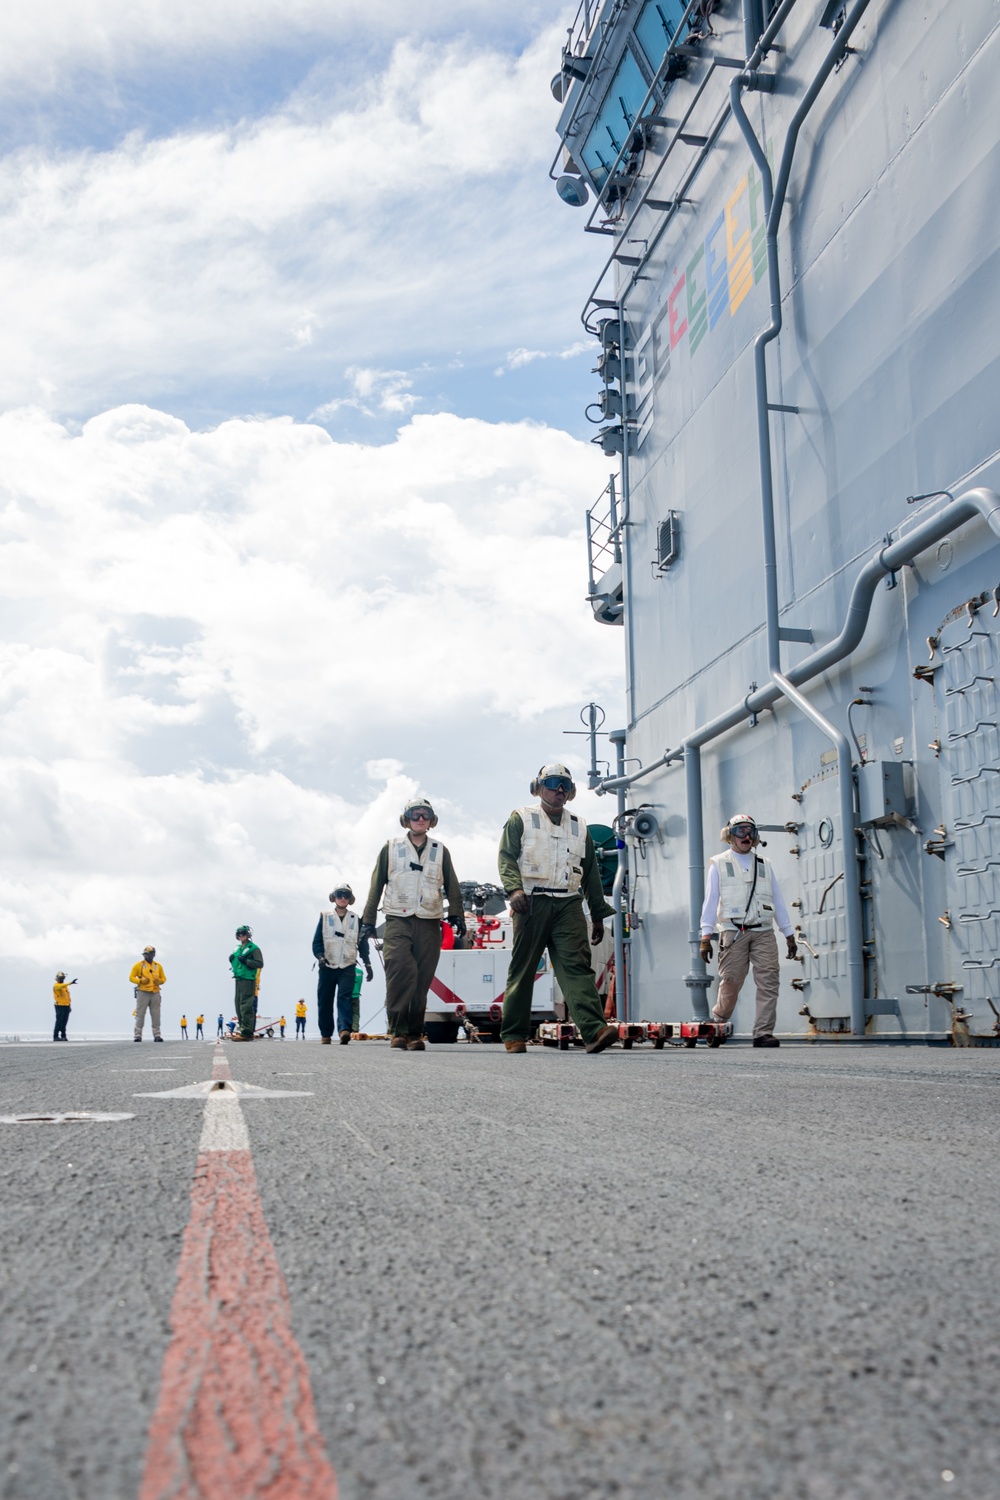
293	469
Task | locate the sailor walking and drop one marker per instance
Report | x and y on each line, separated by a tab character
743	901
416	874
337	942
548	865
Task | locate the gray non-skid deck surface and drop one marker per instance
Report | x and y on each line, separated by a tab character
730	1274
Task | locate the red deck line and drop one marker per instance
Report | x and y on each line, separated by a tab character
235	1418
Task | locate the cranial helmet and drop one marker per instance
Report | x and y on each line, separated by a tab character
244	929
149	949
726	835
555	769
60	977
411	803
343	890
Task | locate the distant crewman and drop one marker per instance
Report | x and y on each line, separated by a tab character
246	962
548	865
416	874
148	978
282	1023
61	996
300	1020
184	1027
742	902
221	1026
337	942
199	1027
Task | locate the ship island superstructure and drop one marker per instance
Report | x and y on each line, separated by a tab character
798	375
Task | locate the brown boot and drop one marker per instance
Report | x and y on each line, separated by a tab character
606	1037
400	1042
345	1037
324	1041
516	1046
415	1044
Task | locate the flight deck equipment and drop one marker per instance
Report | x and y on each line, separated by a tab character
712	1032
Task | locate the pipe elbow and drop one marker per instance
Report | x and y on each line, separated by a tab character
987	502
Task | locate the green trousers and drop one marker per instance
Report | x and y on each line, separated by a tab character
244	1006
558	924
411	949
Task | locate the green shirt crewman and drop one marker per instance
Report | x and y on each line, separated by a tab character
548	866
245	961
416	874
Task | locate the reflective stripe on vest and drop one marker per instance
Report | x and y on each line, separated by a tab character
734	892
340	939
551	857
415	887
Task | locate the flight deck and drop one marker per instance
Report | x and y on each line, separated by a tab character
686	1273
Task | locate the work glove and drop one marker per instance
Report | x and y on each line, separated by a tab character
369	973
366	930
705	949
596	932
520	902
457	926
793	947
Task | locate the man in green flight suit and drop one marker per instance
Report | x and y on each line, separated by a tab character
547	865
245	961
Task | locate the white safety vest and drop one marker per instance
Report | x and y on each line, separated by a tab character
415	887
734	893
551	859
340	939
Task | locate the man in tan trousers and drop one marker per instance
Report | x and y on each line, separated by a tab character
148	978
743	901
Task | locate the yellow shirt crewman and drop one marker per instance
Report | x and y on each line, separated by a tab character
61	996
300	1020
148	977
199	1027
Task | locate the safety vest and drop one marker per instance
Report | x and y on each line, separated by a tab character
340	939
551	859
415	887
734	893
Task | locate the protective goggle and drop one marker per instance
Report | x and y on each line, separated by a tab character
743	831
342	891
416	813
557	783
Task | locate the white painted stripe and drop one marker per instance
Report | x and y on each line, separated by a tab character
224	1128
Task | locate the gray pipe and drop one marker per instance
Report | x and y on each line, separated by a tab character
620	783
622	978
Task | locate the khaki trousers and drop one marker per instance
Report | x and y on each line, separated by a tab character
147	999
411	948
737	951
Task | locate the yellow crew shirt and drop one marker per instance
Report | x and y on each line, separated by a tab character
60	993
146	976
300	1009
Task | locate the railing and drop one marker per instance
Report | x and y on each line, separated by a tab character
604	542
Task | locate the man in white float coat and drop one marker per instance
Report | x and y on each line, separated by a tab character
547	864
337	942
743	901
416	873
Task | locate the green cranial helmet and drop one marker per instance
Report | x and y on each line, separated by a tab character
244	931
